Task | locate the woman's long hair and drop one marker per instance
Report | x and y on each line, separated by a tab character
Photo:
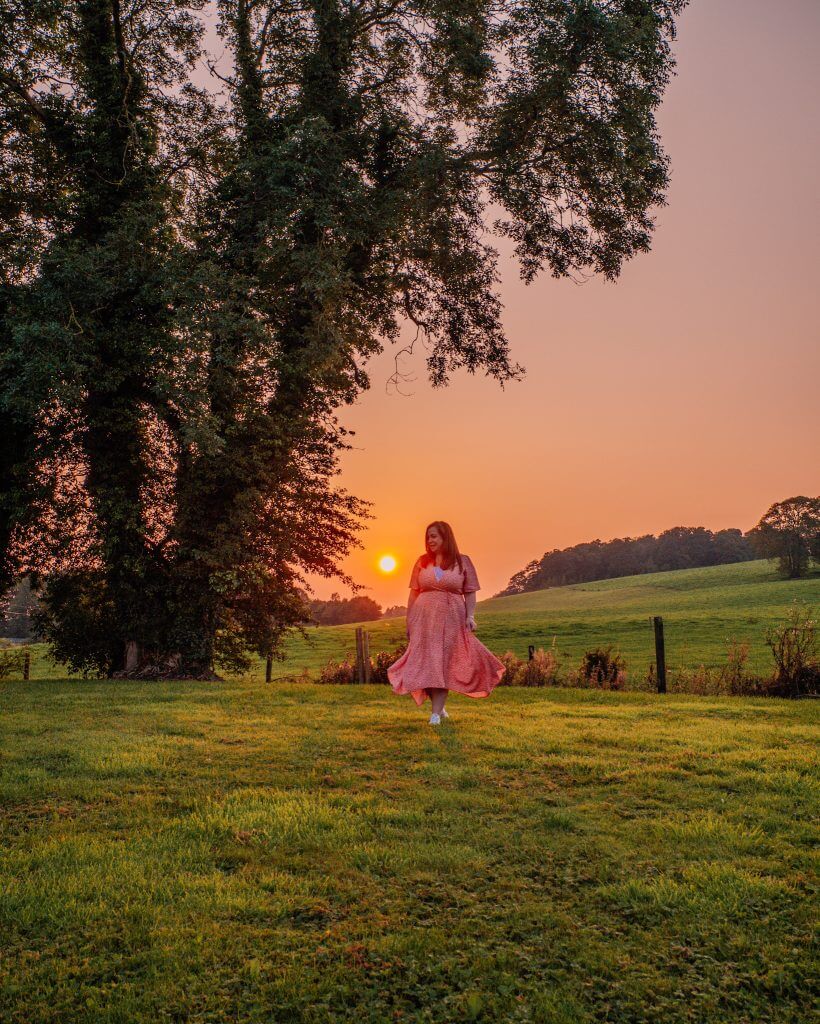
449	548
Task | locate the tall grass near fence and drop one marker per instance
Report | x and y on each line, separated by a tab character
704	612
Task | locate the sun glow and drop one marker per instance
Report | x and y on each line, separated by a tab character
387	563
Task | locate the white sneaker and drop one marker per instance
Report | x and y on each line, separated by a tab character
435	719
444	713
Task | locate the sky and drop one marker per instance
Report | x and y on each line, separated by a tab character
684	394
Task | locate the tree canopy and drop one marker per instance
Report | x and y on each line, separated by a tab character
191	285
681	547
789	531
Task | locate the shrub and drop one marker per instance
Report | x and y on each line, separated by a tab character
344	672
383	660
733	675
703	681
540	670
734	678
11	660
512	664
602	669
794	649
338	672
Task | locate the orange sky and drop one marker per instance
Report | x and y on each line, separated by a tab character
683	395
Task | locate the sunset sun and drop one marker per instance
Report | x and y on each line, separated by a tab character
387	563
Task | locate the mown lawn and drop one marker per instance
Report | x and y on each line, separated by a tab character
239	852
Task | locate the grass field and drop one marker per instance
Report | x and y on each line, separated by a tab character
702	610
237	852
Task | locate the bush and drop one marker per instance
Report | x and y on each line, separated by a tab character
383	660
540	670
512	664
338	672
733	675
794	649
344	672
602	669
734	678
11	660
703	681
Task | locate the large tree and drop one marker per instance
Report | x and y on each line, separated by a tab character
789	532
116	384
372	142
366	149
87	100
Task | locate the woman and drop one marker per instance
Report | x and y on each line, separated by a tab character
442	653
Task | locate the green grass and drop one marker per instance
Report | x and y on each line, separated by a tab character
239	852
702	610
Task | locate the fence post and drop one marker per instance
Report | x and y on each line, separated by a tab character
531	652
366	655
359	654
26	664
268	668
660	655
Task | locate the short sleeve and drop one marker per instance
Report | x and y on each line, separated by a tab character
471	583
414	575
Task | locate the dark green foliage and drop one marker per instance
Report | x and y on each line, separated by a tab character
679	548
790	533
90	334
602	668
336	611
794	648
78	618
191	291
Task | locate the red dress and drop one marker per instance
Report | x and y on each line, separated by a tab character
442	652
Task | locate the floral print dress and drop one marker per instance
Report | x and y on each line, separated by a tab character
442	652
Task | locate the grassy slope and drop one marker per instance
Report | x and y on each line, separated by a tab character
701	608
236	852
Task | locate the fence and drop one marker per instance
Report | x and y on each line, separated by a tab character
364	664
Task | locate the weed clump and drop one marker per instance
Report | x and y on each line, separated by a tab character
539	670
602	669
344	672
794	648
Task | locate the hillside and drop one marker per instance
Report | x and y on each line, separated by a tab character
681	547
702	609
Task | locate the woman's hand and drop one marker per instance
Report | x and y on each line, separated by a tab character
471	623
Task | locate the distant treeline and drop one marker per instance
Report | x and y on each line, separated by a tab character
682	547
338	611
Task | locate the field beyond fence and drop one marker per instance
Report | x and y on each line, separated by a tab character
707	614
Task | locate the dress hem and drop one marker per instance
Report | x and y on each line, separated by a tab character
476	694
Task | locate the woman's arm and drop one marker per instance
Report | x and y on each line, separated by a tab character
471	585
411	600
414	589
469	601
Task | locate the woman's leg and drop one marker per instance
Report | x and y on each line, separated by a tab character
438	696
